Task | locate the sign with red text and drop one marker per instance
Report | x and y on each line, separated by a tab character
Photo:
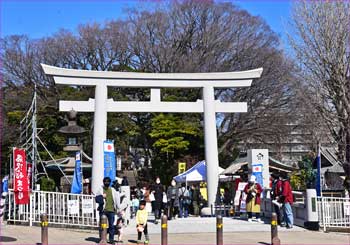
21	186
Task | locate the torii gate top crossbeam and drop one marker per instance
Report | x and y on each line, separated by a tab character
152	80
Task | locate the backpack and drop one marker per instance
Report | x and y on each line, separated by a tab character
187	197
182	192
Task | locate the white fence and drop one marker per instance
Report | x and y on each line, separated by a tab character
333	212
61	208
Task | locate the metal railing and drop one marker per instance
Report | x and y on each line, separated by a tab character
61	208
333	212
221	209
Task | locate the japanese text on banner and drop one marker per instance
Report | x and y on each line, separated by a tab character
21	186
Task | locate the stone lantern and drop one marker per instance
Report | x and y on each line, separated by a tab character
73	133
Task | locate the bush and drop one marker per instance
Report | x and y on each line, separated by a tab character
306	176
47	184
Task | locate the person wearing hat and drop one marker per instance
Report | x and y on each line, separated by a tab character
253	191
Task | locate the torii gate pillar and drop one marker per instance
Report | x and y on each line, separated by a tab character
100	135
101	105
211	143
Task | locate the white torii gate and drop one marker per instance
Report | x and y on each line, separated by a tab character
101	105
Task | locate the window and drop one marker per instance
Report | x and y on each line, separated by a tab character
72	141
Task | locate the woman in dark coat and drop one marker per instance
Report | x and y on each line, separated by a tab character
173	200
157	190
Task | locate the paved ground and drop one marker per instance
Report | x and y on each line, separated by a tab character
184	231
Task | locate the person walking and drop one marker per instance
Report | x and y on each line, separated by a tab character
111	203
184	201
141	222
157	190
173	200
253	191
287	198
196	198
276	192
135	203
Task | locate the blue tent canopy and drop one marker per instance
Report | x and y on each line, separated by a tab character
197	173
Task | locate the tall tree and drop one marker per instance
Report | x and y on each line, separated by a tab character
186	36
321	42
193	36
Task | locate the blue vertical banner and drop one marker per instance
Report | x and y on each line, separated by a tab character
109	159
77	185
257	171
318	176
5	184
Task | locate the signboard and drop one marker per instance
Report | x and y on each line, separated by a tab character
88	206
181	167
109	160
347	208
258	164
241	186
119	163
21	187
238	201
257	172
73	206
243	206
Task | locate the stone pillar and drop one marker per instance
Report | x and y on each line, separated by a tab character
211	145
311	212
100	134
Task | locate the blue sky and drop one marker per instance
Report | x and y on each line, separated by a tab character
42	18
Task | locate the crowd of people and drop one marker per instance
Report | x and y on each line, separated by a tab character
281	196
176	201
180	201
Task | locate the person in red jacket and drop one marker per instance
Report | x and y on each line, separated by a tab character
287	198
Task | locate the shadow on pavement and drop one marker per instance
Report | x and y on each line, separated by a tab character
93	239
132	241
7	239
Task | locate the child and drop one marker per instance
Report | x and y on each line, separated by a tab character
119	229
141	222
134	205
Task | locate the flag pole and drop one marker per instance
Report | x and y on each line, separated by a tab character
82	173
318	161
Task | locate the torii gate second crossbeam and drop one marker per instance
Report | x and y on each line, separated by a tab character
155	81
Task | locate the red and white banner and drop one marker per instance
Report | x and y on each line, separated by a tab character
108	146
257	168
21	186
